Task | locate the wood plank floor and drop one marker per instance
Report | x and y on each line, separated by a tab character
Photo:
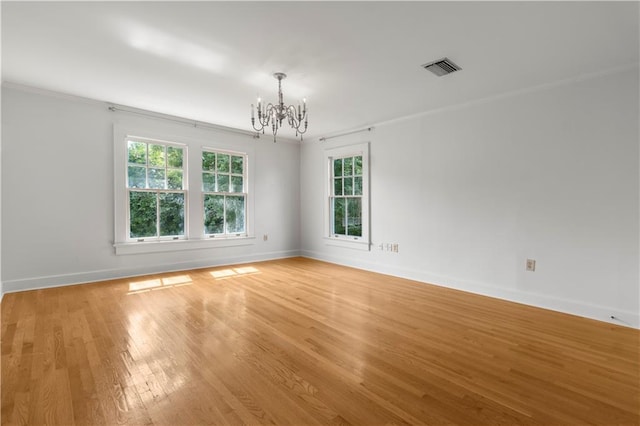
303	342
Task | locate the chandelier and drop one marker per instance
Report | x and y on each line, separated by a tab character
274	115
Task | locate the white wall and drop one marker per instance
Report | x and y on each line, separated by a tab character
1	286
470	192
57	195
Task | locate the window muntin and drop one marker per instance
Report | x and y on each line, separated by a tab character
346	191
346	196
156	190
192	141
224	187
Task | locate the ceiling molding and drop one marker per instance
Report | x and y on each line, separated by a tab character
114	107
511	94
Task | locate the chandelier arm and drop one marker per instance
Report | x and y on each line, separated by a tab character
302	131
292	112
257	129
296	119
266	115
302	116
260	118
291	116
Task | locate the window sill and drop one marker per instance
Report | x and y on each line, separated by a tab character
179	245
352	244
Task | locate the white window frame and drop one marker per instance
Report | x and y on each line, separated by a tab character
363	242
184	190
245	173
195	141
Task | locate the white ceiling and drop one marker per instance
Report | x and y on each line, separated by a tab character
357	63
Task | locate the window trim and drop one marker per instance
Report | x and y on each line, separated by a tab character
180	245
363	242
195	141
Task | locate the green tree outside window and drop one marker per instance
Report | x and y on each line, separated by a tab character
155	181
225	193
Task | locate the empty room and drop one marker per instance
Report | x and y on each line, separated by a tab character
306	213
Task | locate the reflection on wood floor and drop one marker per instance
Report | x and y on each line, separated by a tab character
302	342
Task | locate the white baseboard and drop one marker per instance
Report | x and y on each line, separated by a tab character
36	283
600	313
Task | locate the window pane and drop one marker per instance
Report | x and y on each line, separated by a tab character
171	214
174	157
357	165
337	186
235	214
137	177
223	183
357	185
348	166
338	216
209	182
236	184
236	165
174	179
223	163
209	161
142	214
214	214
348	186
156	155
337	167
354	217
156	178
137	152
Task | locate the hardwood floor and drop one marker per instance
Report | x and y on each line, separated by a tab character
303	342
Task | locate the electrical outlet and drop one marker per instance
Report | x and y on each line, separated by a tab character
531	265
265	237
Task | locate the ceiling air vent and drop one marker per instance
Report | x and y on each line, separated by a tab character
441	67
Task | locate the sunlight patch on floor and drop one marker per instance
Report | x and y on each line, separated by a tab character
159	283
234	272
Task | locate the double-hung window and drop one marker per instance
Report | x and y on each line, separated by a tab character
156	190
346	199
347	206
180	188
224	187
